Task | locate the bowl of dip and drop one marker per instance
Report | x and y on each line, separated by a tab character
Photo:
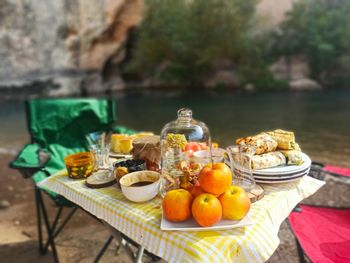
140	186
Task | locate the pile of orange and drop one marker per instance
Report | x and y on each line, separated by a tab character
210	200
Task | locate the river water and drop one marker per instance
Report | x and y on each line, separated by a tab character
320	120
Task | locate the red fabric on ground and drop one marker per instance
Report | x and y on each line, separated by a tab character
324	233
337	170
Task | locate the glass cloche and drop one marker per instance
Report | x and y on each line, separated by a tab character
180	139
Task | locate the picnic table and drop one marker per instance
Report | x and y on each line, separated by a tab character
141	221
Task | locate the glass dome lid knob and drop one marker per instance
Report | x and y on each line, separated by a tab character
184	114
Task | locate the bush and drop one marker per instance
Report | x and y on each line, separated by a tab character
266	82
320	30
180	41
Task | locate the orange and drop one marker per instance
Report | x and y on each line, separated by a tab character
206	210
215	179
177	205
235	203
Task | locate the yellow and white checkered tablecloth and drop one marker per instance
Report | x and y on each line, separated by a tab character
141	222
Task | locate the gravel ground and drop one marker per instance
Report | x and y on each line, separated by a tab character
84	236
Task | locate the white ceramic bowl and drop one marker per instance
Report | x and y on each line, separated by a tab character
203	156
143	193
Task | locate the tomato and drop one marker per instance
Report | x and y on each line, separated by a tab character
194	146
190	153
152	166
203	146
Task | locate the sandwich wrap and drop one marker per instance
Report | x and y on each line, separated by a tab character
268	160
263	143
285	139
293	157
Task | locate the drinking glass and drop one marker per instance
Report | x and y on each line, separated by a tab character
99	138
100	156
241	165
99	146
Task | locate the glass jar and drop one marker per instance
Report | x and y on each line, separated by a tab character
179	140
148	148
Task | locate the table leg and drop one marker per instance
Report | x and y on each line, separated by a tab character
139	254
122	242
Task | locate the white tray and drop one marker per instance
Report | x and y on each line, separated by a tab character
191	225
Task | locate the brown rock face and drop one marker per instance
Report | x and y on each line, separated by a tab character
104	37
62	42
294	68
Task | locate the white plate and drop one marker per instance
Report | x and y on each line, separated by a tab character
279	181
275	177
120	155
191	225
286	169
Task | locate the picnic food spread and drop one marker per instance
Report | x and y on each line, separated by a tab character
179	140
216	199
194	180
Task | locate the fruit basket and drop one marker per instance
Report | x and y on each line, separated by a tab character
179	140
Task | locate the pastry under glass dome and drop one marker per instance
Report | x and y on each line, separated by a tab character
179	140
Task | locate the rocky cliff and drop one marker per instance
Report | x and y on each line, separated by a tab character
61	47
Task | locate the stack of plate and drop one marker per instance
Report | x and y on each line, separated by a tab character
283	174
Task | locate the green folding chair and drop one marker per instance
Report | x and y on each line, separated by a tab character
58	127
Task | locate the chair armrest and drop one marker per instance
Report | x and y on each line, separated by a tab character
297	208
30	159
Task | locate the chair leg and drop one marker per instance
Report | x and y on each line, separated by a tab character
300	251
56	232
48	228
55	222
103	249
38	216
54	225
66	220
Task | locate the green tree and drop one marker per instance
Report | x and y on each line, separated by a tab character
320	30
185	38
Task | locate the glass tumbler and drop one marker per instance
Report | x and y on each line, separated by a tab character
99	146
240	159
100	157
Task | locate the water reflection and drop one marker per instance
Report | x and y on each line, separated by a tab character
319	119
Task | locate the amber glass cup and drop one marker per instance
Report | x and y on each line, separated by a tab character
79	165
